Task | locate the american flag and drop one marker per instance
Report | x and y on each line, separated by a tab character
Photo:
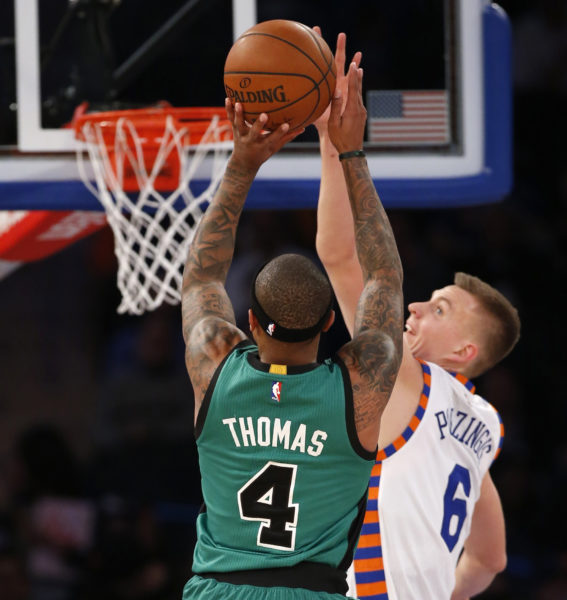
408	117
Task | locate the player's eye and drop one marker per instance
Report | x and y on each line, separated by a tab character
438	310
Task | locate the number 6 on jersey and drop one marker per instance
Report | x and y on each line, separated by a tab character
267	497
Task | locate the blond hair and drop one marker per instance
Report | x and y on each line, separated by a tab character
500	330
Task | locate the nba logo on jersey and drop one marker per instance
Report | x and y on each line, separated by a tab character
276	390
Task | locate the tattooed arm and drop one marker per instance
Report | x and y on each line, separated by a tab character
373	356
209	328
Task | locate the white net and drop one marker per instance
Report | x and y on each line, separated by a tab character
152	230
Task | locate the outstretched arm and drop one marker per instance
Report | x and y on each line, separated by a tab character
373	356
335	241
209	328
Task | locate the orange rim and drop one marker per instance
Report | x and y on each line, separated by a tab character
150	122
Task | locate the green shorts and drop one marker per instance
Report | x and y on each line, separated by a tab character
199	588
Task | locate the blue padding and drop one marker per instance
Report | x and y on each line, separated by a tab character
498	99
489	186
56	195
42	195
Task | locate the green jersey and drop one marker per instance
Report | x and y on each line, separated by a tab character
284	476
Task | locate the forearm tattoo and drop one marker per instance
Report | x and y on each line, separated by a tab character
381	305
376	349
212	249
372	361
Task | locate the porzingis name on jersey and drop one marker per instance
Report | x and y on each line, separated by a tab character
262	431
466	429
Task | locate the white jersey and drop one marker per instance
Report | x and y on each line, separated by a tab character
422	493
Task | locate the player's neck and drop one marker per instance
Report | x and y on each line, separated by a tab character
281	353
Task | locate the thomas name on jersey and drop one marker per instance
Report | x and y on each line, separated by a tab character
462	427
249	431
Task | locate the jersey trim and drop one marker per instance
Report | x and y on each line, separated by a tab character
255	362
415	420
317	577
502	433
204	408
354	533
466	382
368	562
349	414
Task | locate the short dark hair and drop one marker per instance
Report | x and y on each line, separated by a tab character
501	328
293	291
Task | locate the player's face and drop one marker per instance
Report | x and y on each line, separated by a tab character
442	325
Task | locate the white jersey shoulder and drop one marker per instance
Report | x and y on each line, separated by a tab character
428	482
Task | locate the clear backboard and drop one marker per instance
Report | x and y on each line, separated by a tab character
437	89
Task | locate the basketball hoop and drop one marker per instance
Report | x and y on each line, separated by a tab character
143	164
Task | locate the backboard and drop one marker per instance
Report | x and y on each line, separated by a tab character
437	89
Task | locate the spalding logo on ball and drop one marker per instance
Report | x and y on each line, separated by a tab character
282	68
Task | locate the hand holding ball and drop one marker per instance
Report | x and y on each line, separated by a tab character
282	68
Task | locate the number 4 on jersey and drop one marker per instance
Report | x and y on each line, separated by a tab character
267	497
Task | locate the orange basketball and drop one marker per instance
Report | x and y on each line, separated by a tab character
282	68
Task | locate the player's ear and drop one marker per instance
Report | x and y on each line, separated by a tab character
467	353
329	322
256	331
252	320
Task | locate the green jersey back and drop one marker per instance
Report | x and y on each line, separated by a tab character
284	477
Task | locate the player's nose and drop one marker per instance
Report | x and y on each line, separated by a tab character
416	309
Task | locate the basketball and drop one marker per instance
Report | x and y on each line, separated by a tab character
282	68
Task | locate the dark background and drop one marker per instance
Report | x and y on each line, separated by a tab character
82	48
97	407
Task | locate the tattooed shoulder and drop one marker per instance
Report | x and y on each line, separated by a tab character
373	361
213	336
205	300
211	339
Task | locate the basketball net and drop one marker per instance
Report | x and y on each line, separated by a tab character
143	169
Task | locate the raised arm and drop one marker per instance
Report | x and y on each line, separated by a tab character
374	355
209	328
335	229
484	554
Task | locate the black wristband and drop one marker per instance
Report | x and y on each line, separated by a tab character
351	154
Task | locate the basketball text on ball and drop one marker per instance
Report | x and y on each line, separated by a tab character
276	94
281	68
